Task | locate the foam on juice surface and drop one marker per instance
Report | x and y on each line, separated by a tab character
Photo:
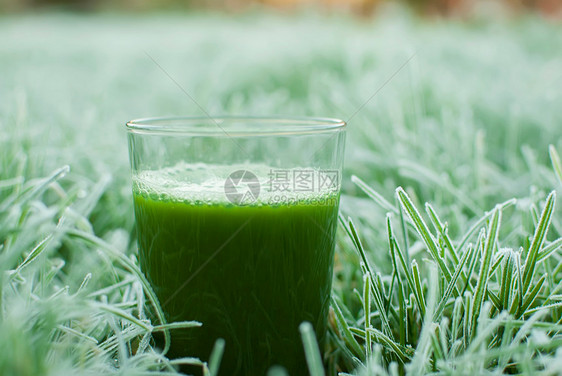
205	184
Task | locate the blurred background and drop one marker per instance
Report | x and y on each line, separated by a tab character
450	96
364	8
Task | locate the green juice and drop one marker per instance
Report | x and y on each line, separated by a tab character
251	274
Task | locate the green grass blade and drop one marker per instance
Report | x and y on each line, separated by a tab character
473	260
468	317
216	357
345	330
78	334
456	320
404	229
442	229
367	313
409	278
311	350
438	352
84	283
277	371
553	247
497	262
377	293
35	252
481	286
418	286
123	315
403	353
189	361
518	299
374	195
402	317
544	307
177	325
538	239
534	214
8	183
531	296
494	299
423	232
506	281
556	163
450	288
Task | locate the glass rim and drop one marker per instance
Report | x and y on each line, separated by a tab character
235	126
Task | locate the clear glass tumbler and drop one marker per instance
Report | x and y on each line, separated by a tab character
236	220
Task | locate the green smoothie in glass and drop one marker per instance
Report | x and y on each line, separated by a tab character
251	274
249	259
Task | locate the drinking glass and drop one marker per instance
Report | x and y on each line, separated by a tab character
236	221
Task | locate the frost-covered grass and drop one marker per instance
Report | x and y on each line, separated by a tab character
469	283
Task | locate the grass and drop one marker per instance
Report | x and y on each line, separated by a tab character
466	284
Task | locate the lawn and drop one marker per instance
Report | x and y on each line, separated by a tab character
448	258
